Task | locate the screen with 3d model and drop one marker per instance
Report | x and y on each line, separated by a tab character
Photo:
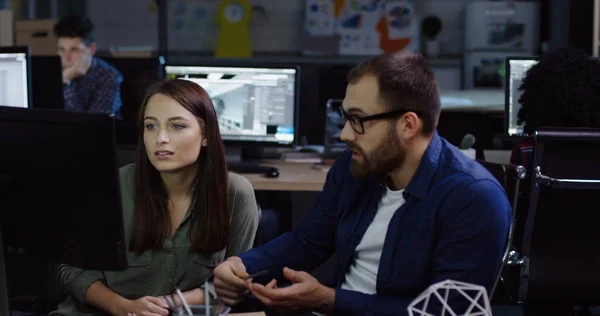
253	104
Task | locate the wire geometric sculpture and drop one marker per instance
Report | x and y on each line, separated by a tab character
470	298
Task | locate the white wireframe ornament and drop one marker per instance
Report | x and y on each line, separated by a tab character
472	300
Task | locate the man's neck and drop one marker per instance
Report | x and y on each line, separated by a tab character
400	177
179	184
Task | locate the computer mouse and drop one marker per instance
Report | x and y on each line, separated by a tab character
271	172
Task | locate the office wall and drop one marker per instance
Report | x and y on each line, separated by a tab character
192	26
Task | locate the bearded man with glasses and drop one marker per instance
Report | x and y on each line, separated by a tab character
402	209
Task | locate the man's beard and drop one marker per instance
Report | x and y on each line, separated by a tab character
386	157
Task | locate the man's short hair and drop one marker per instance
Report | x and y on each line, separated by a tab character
75	25
405	82
561	90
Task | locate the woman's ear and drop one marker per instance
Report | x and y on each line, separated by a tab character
204	142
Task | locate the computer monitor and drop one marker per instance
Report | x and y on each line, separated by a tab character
59	190
46	81
15	73
138	74
515	71
256	104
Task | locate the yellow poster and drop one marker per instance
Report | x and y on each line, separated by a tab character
233	17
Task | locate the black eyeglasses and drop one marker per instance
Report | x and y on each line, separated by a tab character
357	123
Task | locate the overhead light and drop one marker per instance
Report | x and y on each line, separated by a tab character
215	76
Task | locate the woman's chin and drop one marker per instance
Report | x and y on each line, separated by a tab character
165	166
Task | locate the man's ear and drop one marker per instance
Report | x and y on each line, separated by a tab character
411	125
92	48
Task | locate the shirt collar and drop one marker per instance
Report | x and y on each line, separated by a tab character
94	62
421	180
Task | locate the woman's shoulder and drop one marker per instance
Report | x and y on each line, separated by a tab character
127	170
241	200
239	183
241	194
126	176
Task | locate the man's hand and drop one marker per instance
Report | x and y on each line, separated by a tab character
229	281
306	293
148	306
78	69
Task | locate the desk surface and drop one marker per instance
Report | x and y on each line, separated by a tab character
292	177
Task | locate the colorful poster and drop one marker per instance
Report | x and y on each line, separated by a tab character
365	27
320	19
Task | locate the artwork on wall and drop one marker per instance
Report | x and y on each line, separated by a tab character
360	27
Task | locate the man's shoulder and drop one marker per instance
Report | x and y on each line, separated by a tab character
460	172
455	162
102	68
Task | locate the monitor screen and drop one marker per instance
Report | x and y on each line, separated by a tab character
14	85
253	104
516	69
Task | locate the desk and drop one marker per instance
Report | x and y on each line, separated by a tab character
292	177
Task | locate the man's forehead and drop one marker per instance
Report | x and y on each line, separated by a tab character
71	42
362	97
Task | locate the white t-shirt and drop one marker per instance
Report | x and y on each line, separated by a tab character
362	275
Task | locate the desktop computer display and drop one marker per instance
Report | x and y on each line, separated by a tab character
15	86
59	192
516	69
254	104
46	81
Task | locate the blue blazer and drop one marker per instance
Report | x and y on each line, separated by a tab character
454	225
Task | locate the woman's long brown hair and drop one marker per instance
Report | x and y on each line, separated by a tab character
209	217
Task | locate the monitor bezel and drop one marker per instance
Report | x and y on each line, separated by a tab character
252	64
22	50
507	61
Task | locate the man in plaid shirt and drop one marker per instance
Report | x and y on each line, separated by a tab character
89	83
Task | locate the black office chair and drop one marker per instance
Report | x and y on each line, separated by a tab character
510	177
560	257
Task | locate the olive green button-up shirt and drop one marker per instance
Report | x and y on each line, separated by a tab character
157	272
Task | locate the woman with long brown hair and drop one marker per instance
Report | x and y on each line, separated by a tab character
183	212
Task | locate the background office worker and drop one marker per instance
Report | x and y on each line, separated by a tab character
402	209
90	84
183	213
561	90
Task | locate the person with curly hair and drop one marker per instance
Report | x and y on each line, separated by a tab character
561	90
